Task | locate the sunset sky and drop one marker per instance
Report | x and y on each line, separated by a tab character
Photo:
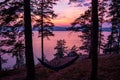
66	13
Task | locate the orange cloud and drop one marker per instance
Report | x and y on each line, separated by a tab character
62	22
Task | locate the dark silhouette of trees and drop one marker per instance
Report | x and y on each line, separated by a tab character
84	24
44	10
113	44
61	48
101	15
9	12
94	42
3	2
10	38
2	52
7	16
28	42
18	51
94	39
73	51
0	62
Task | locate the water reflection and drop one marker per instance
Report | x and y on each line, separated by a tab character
71	39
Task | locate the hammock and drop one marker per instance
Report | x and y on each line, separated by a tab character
57	68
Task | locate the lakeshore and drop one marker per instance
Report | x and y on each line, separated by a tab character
109	68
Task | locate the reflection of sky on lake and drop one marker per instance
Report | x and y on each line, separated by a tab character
71	39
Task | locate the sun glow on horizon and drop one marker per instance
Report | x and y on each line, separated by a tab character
66	13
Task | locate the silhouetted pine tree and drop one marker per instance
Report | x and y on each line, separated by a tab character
113	44
44	11
0	62
94	39
16	6
102	11
8	16
8	11
9	38
18	51
84	23
2	52
61	49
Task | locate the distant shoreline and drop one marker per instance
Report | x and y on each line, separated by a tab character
9	28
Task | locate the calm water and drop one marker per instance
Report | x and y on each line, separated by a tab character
71	39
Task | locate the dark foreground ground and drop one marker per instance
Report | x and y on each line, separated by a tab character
109	69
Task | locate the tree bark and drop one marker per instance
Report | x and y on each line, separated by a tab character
0	63
28	42
94	49
42	29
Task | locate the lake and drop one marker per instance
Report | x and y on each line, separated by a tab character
71	39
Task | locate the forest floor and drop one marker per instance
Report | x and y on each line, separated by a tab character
108	69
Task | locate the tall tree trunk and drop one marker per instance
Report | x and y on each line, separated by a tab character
90	50
28	42
118	13
42	35
0	63
100	35
94	49
111	39
119	41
